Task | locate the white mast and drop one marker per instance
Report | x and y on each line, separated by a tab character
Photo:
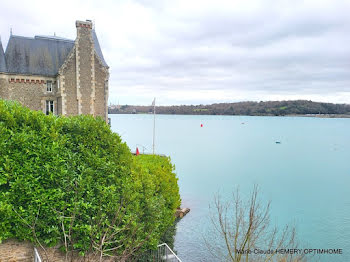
154	121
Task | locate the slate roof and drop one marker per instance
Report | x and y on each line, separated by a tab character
41	55
2	59
98	48
36	56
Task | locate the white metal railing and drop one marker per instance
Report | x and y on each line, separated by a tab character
37	257
164	253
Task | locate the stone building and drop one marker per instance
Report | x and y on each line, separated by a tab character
54	74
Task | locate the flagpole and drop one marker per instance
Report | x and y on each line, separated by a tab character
154	122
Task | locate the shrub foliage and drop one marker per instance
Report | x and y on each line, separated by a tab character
70	181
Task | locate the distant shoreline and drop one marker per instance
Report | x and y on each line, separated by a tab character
270	108
324	116
301	115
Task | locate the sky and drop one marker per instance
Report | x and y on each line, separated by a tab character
203	52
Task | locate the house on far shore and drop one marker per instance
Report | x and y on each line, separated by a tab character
54	74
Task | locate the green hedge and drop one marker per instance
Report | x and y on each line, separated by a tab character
70	181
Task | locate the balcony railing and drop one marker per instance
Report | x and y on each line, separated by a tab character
164	254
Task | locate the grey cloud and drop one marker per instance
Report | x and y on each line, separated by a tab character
173	48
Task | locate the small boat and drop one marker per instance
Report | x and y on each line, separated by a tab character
278	142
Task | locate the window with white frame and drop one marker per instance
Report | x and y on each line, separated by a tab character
49	107
49	86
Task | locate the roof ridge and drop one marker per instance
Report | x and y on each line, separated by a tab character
53	38
19	36
43	37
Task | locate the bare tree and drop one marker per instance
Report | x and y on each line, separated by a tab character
242	231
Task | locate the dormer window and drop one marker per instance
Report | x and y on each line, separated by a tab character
49	86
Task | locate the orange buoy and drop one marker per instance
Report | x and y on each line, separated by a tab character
137	151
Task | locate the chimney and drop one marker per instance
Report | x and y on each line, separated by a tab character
85	67
84	24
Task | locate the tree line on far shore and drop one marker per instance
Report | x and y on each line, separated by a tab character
269	108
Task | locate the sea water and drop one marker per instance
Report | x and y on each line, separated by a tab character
306	176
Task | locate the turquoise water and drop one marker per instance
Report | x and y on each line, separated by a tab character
306	177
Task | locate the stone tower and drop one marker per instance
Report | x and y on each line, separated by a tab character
55	74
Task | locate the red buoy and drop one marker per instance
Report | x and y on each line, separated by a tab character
137	151
201	125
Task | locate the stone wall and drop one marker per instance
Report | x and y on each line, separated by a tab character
101	94
23	251
68	87
59	106
30	91
15	251
3	85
